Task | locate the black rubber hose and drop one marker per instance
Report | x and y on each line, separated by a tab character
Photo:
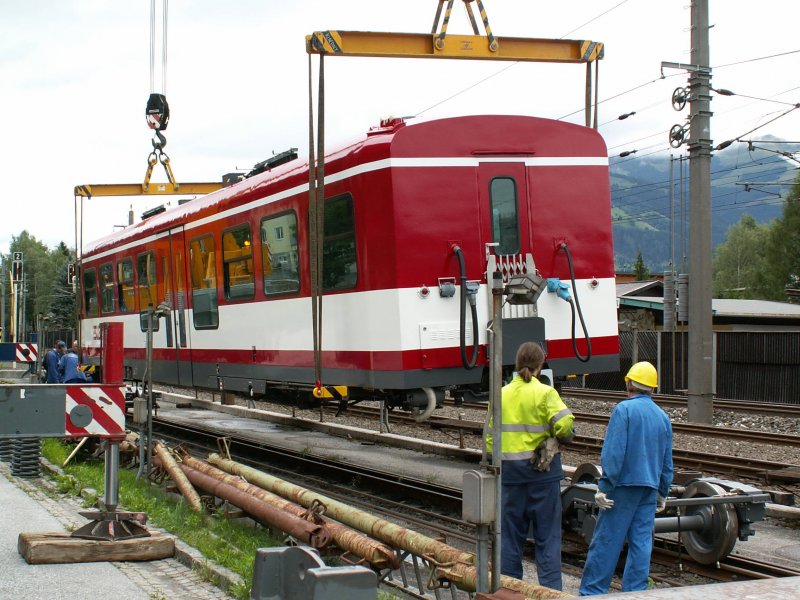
468	363
573	306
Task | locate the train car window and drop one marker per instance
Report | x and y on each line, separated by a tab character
147	287
107	288
339	268
237	264
280	254
205	312
125	291
90	293
505	221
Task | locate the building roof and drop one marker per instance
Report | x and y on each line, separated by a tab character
638	288
723	307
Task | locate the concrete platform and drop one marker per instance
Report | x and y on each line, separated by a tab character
786	588
18	579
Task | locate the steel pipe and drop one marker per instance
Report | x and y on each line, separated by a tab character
312	534
378	555
387	532
465	577
178	476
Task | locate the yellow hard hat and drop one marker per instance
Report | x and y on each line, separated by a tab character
644	373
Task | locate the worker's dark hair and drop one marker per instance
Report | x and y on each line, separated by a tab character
530	358
61	344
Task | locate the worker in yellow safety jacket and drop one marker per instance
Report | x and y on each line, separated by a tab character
535	422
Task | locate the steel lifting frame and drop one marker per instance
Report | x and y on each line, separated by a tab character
438	44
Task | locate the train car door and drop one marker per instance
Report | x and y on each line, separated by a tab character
506	221
176	282
503	193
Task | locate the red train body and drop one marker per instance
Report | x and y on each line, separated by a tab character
232	268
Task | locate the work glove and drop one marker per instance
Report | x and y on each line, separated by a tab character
545	454
603	502
661	504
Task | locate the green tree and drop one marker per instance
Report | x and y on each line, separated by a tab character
41	268
61	311
783	250
739	260
640	269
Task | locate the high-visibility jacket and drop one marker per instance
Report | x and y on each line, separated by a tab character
531	412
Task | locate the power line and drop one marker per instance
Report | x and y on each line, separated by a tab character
592	20
749	60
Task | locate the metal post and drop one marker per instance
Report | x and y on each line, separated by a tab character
700	397
24	313
111	496
496	376
149	387
482	535
2	310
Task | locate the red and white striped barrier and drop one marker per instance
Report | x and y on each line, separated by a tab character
97	410
32	354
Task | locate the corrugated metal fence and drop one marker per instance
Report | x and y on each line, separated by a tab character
758	366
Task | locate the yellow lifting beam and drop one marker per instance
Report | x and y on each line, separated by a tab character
475	47
139	189
438	44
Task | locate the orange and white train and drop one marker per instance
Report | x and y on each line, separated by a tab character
414	212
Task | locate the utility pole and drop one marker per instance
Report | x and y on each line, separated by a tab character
701	356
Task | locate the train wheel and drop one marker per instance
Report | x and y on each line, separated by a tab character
587	473
718	536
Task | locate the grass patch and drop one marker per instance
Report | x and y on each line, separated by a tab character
231	544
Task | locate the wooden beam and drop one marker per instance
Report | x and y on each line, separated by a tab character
59	548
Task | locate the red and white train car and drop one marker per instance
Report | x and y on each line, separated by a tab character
406	206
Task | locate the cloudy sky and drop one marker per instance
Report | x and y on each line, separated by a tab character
76	76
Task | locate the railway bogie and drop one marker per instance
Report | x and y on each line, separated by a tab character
415	217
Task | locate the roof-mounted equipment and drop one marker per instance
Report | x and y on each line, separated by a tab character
273	161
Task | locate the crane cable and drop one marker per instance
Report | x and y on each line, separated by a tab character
163	46
316	216
157	109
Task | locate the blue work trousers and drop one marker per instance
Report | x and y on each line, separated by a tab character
536	506
632	517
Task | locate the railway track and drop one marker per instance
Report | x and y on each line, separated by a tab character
317	474
664	400
432	505
734	466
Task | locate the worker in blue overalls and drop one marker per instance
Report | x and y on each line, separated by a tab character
535	421
69	367
637	473
51	362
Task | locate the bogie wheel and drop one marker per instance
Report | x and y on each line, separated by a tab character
718	537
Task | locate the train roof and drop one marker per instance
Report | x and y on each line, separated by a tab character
496	135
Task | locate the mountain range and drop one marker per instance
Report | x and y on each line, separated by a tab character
644	194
